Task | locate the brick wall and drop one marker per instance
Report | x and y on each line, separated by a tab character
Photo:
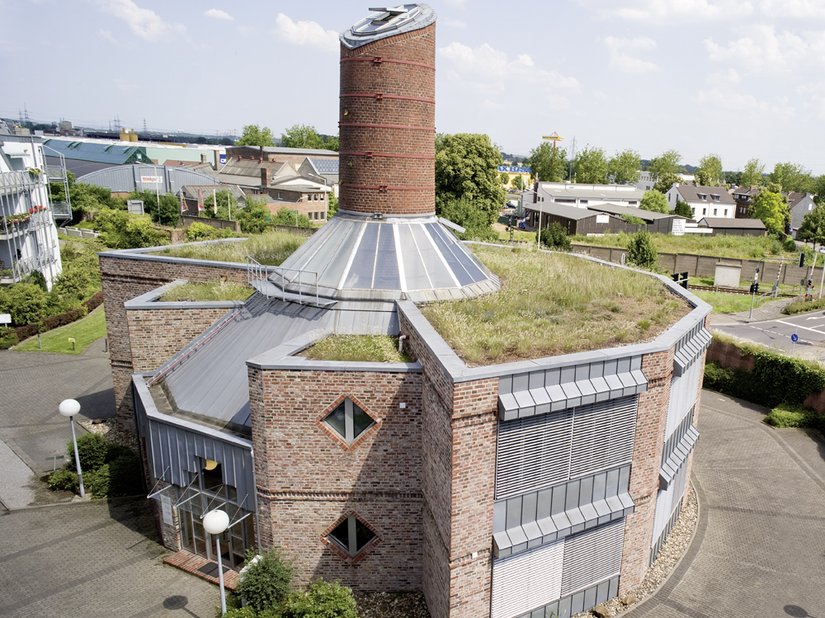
644	473
307	478
124	279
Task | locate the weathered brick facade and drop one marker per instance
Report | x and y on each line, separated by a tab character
124	278
644	476
308	478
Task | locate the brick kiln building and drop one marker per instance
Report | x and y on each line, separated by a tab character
507	490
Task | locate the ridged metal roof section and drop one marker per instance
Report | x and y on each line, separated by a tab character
361	257
212	381
689	348
541	392
128	178
97	152
386	23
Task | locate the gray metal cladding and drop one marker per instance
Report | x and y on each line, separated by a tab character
690	347
174	451
552	390
677	449
592	556
543	517
540	451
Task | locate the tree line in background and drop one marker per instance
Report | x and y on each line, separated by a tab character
296	136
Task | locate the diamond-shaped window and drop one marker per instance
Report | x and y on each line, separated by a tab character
348	420
352	535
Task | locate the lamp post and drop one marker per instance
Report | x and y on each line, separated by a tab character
69	408
215	522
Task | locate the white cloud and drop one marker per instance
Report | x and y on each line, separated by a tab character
145	23
813	95
306	33
763	49
793	9
621	57
453	23
682	10
493	71
106	35
218	14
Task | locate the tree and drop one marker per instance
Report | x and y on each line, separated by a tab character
253	135
466	214
682	209
641	252
301	136
548	163
654	201
555	237
590	166
505	178
265	583
168	211
254	217
664	168
710	172
753	175
771	208
465	168
813	226
220	205
518	183
624	167
793	177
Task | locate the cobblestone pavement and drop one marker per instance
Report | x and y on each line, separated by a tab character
84	559
92	559
759	549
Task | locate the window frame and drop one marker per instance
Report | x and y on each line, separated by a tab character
351	552
349	438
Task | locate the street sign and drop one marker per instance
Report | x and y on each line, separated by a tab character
794	337
5	318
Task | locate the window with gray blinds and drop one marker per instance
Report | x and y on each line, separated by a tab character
539	451
592	556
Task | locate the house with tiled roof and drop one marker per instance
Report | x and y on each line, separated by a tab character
703	201
800	204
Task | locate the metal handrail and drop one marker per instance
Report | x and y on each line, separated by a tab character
258	272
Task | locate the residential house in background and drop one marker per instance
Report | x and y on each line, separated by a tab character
744	196
28	234
703	201
583	195
800	204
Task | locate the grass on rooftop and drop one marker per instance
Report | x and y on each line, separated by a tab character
357	348
271	248
553	303
85	331
739	247
207	290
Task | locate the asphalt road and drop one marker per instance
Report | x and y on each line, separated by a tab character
777	333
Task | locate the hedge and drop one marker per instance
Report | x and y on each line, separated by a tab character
775	378
61	319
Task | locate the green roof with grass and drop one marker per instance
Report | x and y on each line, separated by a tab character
207	291
357	348
554	303
271	249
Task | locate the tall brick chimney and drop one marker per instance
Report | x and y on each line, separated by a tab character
264	178
387	113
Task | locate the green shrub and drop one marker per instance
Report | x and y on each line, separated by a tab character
789	415
555	237
63	479
239	612
265	584
98	481
8	337
321	599
92	449
799	306
202	231
26	302
641	252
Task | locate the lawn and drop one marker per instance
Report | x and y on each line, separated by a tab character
85	331
739	247
723	302
206	291
553	303
364	348
271	248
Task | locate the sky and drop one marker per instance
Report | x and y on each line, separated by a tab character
735	78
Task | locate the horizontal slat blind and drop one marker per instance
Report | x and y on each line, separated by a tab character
527	581
592	556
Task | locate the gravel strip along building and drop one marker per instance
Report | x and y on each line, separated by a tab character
509	490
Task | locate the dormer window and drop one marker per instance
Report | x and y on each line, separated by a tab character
702	196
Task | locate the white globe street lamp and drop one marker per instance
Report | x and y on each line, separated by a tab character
215	522
69	408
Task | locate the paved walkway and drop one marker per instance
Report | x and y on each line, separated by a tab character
759	548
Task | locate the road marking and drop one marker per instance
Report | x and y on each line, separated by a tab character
819	317
818	332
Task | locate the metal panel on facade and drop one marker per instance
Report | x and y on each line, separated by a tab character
527	581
